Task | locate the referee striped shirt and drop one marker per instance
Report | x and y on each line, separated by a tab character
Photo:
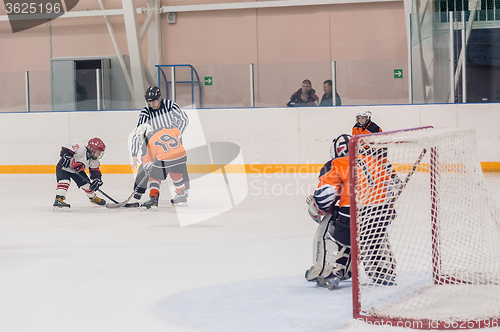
169	115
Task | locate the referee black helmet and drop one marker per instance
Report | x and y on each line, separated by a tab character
153	93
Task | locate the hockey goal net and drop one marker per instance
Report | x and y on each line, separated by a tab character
425	231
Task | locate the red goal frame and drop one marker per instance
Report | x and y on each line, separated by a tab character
438	277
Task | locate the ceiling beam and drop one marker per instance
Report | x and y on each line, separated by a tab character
134	49
261	4
197	8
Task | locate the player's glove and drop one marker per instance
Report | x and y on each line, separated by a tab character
96	184
77	166
148	166
314	211
66	160
66	156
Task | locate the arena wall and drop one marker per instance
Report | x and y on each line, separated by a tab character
269	138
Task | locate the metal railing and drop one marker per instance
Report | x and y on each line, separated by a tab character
194	80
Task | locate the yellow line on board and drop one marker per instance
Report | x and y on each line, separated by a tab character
201	168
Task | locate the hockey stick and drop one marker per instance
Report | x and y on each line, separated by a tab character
408	176
122	204
99	190
146	176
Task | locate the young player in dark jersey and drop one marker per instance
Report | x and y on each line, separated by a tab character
364	124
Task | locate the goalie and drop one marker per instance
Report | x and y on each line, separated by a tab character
378	186
332	242
329	207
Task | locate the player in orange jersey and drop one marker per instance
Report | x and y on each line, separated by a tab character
164	155
364	124
329	206
332	242
376	185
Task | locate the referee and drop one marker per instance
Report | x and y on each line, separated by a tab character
159	113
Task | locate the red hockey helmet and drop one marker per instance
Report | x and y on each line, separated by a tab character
95	148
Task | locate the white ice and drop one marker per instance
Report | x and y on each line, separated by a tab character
97	269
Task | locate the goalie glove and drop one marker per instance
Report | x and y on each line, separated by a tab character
314	211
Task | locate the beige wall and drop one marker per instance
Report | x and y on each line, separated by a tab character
287	44
26	50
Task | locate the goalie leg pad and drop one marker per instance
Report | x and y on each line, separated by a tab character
319	249
330	256
375	250
377	256
337	259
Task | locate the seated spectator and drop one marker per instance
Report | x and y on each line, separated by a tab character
327	99
305	96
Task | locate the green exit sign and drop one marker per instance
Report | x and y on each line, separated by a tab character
208	80
398	73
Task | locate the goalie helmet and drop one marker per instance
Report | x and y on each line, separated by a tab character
365	113
95	148
340	146
153	93
143	130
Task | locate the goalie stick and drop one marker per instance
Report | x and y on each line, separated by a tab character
408	176
122	204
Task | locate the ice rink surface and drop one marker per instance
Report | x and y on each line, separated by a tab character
124	270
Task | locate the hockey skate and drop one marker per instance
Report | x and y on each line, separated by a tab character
384	279
60	204
382	272
151	205
329	283
180	199
97	201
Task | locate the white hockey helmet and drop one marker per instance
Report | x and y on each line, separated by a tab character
365	113
143	130
340	146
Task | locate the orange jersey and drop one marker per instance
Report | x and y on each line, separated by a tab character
374	184
165	145
368	129
333	182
